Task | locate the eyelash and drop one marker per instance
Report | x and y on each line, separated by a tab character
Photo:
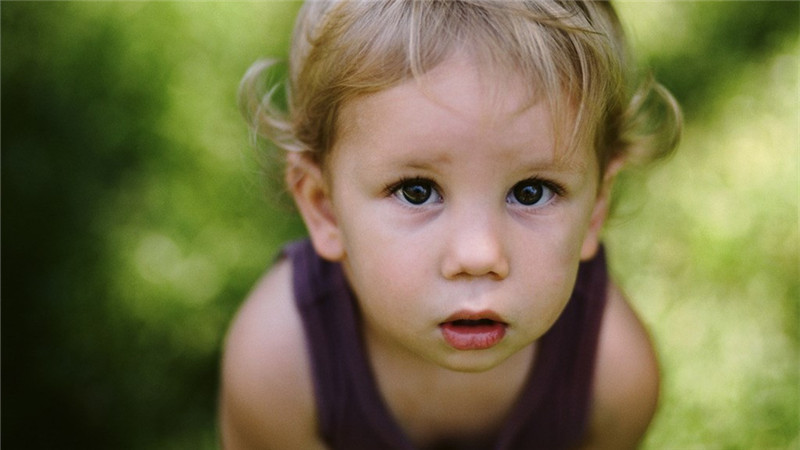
394	189
556	189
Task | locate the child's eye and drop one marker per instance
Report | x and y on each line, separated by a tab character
532	192
416	192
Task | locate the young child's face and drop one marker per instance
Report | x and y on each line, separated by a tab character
461	225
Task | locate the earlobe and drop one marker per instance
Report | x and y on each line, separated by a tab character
312	196
591	241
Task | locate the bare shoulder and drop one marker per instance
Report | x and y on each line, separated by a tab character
266	398
626	378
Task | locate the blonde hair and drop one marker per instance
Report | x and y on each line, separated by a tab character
572	53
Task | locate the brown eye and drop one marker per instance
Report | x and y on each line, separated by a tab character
416	193
530	193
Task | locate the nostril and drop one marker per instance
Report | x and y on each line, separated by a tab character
471	265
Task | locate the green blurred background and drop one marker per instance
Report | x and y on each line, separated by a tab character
136	218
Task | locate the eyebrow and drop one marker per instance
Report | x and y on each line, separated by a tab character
567	164
436	163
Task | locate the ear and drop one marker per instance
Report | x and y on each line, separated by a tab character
312	195
591	241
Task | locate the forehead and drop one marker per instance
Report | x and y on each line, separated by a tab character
459	103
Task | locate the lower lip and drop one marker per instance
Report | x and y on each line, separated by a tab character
478	337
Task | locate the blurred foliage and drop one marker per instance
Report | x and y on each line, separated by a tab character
134	222
707	244
136	218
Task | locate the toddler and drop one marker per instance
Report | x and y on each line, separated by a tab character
452	161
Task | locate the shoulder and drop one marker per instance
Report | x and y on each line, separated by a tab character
626	378
266	398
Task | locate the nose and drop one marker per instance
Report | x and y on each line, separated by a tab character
475	248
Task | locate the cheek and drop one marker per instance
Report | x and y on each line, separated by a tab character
388	292
577	222
551	246
549	288
382	267
370	234
546	262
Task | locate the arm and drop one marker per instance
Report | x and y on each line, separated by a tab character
626	379
266	399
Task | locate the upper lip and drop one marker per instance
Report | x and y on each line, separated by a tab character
474	315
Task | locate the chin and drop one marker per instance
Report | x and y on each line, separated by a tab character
472	361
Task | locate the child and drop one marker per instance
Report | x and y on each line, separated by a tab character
452	161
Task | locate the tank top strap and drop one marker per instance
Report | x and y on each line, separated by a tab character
350	409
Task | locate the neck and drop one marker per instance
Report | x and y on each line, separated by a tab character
431	402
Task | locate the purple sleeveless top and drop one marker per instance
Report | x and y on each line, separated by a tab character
551	412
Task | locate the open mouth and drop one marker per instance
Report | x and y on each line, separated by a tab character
473	333
473	323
